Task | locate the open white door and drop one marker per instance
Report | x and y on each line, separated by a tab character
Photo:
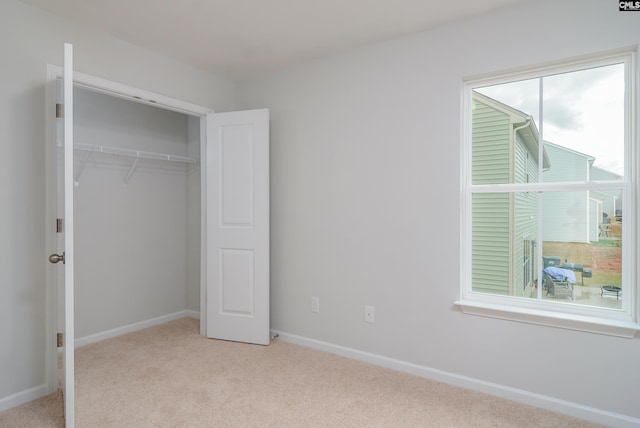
237	226
69	334
65	244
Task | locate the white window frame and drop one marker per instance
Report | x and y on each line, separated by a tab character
622	323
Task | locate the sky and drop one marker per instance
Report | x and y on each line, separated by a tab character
582	110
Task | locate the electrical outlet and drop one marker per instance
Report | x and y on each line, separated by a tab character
368	313
315	305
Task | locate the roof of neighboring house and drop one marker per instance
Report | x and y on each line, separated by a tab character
589	158
601	194
598	173
522	122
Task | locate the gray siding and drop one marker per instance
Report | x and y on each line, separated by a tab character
566	165
566	214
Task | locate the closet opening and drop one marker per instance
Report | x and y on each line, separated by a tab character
138	210
143	250
137	214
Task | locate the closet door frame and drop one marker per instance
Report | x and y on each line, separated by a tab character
130	93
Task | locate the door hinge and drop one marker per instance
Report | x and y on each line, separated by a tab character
59	340
59	110
59	225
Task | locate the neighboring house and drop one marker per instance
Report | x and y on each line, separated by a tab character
566	214
505	150
611	199
576	216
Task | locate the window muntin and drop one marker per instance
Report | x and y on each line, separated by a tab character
562	200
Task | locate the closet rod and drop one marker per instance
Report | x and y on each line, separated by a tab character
133	153
137	154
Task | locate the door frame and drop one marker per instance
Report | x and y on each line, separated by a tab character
130	93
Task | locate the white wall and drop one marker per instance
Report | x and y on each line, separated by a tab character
30	40
365	184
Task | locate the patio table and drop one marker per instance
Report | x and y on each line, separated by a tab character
610	289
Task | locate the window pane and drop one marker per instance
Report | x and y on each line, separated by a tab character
582	250
504	133
504	249
583	124
582	129
581	247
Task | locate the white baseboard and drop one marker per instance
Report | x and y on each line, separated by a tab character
93	338
23	397
521	396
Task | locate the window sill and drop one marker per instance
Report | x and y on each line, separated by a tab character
619	328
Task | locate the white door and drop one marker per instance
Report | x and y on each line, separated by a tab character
237	226
65	244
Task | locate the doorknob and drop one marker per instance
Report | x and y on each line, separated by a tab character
55	258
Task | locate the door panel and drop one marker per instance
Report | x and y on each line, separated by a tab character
237	285
237	164
237	202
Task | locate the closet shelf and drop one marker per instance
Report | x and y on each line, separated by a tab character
132	153
136	154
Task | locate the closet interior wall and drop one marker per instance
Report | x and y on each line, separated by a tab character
137	246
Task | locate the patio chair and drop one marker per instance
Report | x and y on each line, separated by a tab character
558	283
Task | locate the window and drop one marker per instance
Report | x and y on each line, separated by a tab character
549	171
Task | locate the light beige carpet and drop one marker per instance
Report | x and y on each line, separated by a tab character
169	376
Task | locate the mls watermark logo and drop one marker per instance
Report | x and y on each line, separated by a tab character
629	6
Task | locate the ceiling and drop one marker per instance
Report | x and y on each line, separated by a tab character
239	38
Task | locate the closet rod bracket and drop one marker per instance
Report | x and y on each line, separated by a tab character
133	168
76	180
